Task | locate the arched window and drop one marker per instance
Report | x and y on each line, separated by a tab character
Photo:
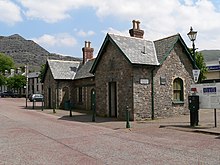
178	94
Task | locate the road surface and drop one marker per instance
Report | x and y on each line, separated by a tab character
31	137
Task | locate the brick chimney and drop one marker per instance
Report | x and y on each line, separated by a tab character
136	31
87	52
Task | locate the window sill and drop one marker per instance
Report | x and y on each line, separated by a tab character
178	102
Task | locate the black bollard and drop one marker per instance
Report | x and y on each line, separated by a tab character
127	118
54	110
42	104
70	109
93	112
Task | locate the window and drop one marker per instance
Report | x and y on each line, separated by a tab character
178	90
80	94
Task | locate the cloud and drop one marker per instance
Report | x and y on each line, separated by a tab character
10	12
45	10
158	18
50	11
83	33
170	14
162	18
115	31
58	40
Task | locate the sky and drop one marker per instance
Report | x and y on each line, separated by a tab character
63	26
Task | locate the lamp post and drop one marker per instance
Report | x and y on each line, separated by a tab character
194	114
192	36
26	74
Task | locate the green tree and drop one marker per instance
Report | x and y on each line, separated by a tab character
16	82
42	71
201	65
6	63
2	81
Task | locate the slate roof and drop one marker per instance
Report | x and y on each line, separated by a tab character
164	46
141	51
63	70
136	50
84	70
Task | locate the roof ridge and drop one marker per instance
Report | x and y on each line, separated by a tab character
129	37
178	34
63	61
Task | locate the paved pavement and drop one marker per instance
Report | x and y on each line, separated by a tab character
42	137
207	122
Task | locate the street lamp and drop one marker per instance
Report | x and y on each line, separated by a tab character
194	114
192	36
26	74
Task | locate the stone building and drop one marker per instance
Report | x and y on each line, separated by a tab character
57	81
84	81
150	78
34	83
69	81
82	87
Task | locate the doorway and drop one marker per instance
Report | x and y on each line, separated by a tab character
49	98
112	99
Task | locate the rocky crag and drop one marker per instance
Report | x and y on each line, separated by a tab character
28	52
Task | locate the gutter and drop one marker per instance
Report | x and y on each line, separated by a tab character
57	98
152	93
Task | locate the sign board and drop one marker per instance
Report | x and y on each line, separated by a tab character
144	81
196	73
209	95
214	67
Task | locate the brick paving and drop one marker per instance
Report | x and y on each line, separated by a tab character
42	137
181	123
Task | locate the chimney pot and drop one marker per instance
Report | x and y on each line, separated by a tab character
87	52
87	44
136	31
138	24
134	24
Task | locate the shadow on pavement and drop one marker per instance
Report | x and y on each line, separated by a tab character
87	118
185	126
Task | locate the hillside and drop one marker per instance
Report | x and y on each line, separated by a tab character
211	55
27	52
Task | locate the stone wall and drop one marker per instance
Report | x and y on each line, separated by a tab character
87	84
137	95
176	65
142	92
59	91
49	83
114	67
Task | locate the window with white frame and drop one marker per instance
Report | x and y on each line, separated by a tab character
178	94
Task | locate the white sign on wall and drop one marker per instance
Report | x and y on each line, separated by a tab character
209	95
196	73
144	81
